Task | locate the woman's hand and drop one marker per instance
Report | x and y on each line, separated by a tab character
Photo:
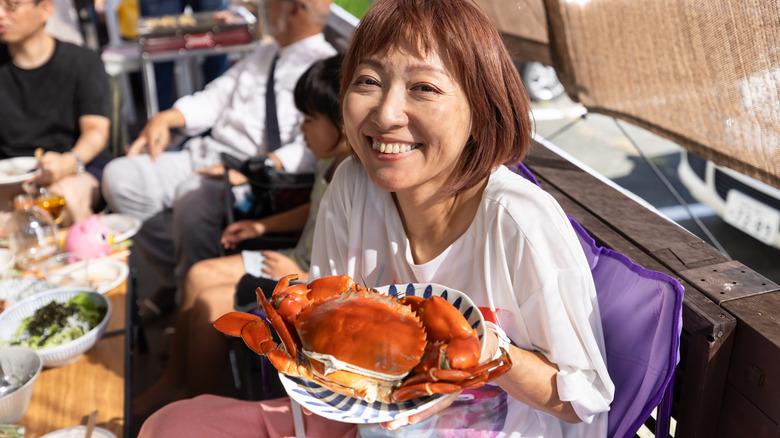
420	416
277	265
241	230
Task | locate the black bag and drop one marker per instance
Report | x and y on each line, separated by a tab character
273	190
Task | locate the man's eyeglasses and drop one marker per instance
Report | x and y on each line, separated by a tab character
13	5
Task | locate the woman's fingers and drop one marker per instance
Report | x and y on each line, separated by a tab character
420	416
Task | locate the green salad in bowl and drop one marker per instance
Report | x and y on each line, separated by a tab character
57	323
61	324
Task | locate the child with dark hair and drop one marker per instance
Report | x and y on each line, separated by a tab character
198	352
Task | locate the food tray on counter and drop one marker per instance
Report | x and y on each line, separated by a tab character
199	30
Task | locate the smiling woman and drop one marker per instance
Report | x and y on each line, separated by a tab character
434	109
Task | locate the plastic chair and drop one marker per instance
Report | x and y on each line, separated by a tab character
641	316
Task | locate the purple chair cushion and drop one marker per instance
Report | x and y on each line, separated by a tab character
641	316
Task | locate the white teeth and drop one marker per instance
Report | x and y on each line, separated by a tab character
393	148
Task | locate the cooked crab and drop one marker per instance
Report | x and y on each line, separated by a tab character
365	344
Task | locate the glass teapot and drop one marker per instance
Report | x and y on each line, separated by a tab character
32	233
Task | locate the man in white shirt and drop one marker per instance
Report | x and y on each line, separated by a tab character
150	183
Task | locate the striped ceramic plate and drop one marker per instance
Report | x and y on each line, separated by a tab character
347	409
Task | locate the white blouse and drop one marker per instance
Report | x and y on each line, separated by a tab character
519	260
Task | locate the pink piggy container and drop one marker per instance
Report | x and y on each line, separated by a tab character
89	237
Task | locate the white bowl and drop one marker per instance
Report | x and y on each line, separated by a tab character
79	432
19	363
12	318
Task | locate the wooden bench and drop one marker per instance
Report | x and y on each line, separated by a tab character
725	384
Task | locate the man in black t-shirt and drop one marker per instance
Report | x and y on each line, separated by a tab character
55	96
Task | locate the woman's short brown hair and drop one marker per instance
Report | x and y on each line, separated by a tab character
471	47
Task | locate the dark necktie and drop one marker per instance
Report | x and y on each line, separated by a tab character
273	139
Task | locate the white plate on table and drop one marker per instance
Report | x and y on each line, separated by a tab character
345	409
79	432
17	169
121	226
16	289
106	274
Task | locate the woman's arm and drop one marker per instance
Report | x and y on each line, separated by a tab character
532	380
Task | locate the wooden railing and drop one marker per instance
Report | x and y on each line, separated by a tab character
728	381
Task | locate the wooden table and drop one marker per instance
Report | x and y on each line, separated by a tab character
65	396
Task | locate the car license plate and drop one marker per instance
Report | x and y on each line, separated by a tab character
752	217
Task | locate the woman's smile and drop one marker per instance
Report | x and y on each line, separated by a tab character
393	147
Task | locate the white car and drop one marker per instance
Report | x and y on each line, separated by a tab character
743	202
541	81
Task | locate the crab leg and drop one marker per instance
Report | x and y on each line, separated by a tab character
423	389
281	327
449	381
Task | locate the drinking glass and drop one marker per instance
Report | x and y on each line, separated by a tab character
52	203
66	269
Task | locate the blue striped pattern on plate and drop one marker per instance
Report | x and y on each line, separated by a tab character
338	407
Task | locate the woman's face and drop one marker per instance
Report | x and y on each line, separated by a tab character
407	119
321	135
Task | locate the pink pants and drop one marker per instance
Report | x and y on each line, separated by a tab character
213	417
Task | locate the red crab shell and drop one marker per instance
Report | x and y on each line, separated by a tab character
382	338
366	329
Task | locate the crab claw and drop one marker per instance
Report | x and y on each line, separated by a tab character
257	336
325	287
279	324
232	323
251	328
